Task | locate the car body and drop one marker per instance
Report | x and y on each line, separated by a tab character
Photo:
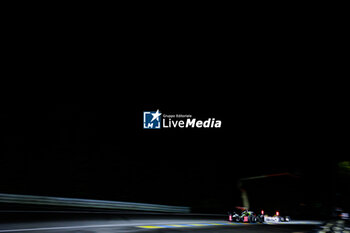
246	216
276	218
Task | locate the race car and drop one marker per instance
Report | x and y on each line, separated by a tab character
276	218
246	216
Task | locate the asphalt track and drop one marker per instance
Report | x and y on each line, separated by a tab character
154	225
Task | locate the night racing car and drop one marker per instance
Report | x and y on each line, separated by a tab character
276	218
246	216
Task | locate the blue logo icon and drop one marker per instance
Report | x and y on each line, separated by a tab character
151	120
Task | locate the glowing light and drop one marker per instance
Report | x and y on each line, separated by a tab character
88	203
245	219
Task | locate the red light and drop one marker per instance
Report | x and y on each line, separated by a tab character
230	218
277	213
262	212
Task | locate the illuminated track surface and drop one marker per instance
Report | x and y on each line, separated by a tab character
153	226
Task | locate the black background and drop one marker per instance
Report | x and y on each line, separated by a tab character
71	122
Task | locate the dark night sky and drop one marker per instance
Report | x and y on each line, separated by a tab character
74	128
96	148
